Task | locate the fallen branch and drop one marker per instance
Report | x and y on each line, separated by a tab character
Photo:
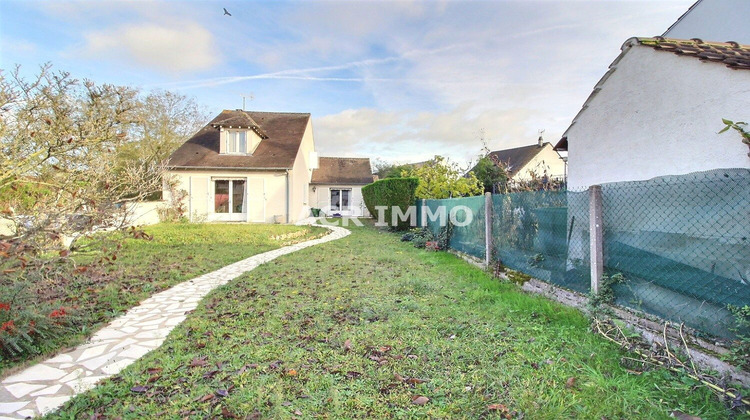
622	340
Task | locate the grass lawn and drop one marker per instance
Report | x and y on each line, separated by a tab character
364	327
178	252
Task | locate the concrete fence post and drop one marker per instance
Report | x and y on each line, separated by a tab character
487	228
596	240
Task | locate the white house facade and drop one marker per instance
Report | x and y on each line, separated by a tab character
336	186
247	166
658	111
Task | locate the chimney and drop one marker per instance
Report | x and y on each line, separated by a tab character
541	141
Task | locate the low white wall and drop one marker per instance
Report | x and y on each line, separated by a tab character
145	213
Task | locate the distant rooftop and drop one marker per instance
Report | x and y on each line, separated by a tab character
516	158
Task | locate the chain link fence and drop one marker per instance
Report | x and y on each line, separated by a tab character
681	242
469	239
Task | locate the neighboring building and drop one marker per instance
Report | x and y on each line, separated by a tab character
336	186
522	164
657	111
714	20
248	166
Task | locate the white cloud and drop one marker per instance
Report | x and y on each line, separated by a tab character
174	48
415	136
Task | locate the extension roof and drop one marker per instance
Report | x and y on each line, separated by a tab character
515	159
281	134
731	54
343	171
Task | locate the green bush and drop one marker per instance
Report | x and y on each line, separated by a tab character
391	192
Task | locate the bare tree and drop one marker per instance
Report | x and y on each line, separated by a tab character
73	155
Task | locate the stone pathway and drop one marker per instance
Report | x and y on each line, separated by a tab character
45	386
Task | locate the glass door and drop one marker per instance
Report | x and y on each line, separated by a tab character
230	199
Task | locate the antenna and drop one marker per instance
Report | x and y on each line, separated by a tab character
541	140
246	96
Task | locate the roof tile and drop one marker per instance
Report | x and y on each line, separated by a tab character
283	135
732	54
342	171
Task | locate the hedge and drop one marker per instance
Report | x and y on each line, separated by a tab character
391	192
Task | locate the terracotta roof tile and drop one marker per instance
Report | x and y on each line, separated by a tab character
342	171
732	54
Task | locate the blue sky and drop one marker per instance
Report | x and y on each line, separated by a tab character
400	81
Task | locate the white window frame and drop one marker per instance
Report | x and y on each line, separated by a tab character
233	137
341	195
231	196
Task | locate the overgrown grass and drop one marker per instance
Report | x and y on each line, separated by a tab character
362	326
176	253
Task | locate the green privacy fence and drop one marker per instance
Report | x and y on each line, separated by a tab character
543	234
469	239
681	242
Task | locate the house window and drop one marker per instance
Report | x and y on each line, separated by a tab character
229	196
340	199
235	142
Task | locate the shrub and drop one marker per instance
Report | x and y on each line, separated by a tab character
421	236
391	193
25	325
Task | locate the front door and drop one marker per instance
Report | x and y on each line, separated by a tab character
230	200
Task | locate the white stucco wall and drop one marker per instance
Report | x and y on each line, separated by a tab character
200	205
301	175
659	114
546	162
145	212
321	198
715	20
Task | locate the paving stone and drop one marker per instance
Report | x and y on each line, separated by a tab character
97	362
61	358
22	389
134	352
46	404
47	391
73	375
115	367
38	372
12	407
92	352
26	413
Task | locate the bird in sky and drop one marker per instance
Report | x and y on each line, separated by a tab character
226	12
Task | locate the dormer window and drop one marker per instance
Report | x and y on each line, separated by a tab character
239	134
236	141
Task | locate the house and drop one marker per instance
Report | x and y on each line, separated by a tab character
658	111
248	166
336	186
522	164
